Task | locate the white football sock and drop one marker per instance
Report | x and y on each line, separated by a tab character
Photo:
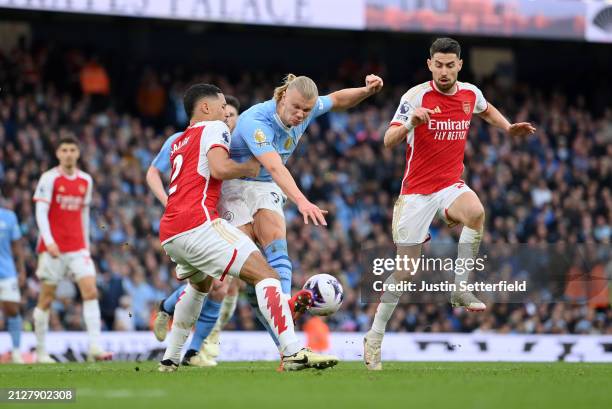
388	302
227	311
186	313
467	249
41	326
275	309
93	322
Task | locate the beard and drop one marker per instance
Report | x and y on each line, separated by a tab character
447	86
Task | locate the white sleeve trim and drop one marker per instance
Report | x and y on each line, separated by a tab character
85	220
409	102
42	220
212	135
89	193
44	188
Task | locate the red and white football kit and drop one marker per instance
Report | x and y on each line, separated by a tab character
434	156
64	202
191	232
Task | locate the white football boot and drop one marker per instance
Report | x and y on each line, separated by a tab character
372	344
198	359
210	347
467	300
44	358
16	356
167	366
160	325
305	358
96	354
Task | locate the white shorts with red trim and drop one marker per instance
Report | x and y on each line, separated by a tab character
413	214
215	248
73	265
241	199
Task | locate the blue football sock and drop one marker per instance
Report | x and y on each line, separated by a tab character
206	321
170	302
278	258
13	325
252	297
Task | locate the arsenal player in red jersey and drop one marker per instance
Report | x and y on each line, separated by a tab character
433	119
205	246
62	197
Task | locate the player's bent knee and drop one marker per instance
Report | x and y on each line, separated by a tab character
88	288
268	226
475	216
256	269
201	282
44	302
220	286
90	294
219	290
270	234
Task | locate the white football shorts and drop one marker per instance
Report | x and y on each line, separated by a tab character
73	265
413	213
241	199
215	248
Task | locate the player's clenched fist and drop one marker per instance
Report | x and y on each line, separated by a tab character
374	83
420	116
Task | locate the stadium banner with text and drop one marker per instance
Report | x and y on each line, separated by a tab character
560	19
500	273
348	346
551	19
340	14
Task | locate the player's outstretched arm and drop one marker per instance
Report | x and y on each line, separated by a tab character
274	165
349	97
495	118
156	184
224	168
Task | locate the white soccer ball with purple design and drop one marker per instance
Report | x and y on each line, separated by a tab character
327	294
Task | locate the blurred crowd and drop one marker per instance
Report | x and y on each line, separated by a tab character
554	186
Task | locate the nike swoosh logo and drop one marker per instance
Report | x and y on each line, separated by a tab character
300	361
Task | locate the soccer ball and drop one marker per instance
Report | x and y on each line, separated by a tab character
327	294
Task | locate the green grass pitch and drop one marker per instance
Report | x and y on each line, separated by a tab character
250	385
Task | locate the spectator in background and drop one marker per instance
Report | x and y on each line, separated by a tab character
95	83
151	98
110	283
317	334
342	163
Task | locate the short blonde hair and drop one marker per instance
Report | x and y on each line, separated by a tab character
303	84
